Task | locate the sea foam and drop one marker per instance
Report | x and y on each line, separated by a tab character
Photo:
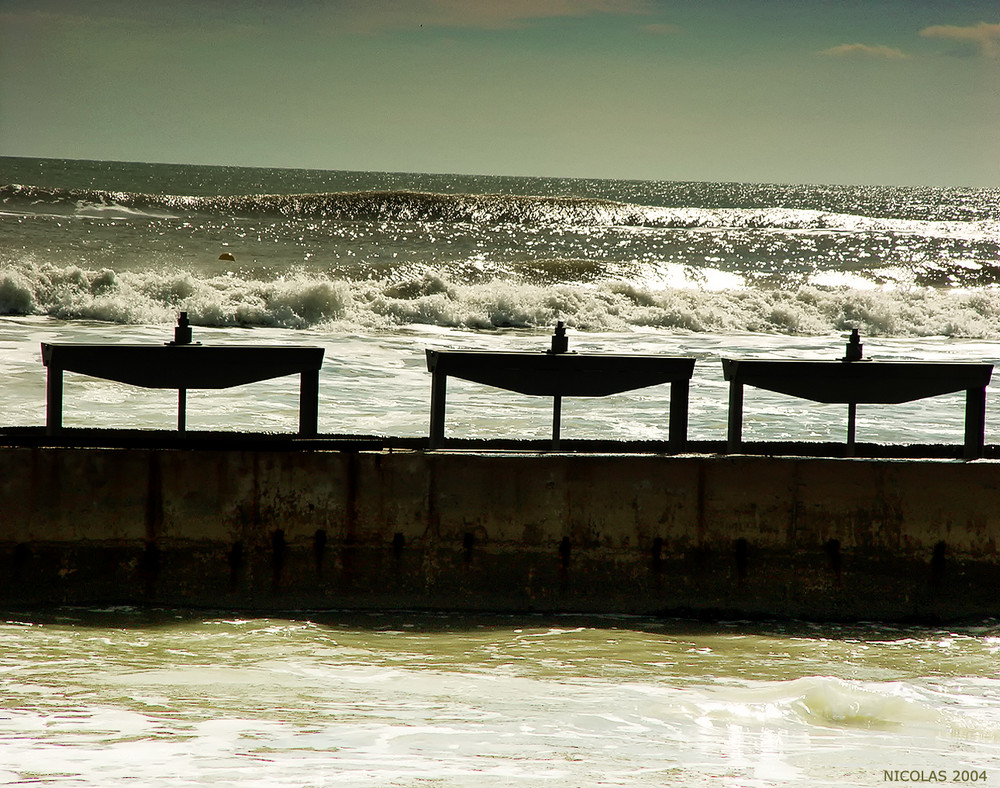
431	297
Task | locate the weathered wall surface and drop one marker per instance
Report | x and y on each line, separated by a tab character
806	537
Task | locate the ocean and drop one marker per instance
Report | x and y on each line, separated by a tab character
175	698
378	267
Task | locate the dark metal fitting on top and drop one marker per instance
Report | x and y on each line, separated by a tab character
182	331
854	347
560	342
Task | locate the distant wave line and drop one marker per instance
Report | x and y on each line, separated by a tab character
494	209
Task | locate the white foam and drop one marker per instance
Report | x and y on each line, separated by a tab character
639	703
114	210
671	298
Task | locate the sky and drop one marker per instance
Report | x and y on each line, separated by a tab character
894	92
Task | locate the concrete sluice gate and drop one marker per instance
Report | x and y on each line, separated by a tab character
254	527
674	527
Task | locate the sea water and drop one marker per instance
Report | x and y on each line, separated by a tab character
165	698
378	267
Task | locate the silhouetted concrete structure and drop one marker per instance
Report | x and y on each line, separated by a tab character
184	365
710	535
855	381
268	522
557	374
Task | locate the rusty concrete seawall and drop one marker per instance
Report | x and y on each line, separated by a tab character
452	530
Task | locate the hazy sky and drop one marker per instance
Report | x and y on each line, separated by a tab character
832	91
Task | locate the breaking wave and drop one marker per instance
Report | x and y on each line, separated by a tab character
432	298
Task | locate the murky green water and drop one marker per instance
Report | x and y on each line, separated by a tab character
161	698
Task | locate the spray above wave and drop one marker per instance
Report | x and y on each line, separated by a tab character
308	300
491	209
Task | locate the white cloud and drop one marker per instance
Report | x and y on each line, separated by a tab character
366	16
865	50
983	38
472	14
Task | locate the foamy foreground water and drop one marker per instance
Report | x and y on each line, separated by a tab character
163	699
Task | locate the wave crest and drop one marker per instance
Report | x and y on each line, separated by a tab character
306	301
